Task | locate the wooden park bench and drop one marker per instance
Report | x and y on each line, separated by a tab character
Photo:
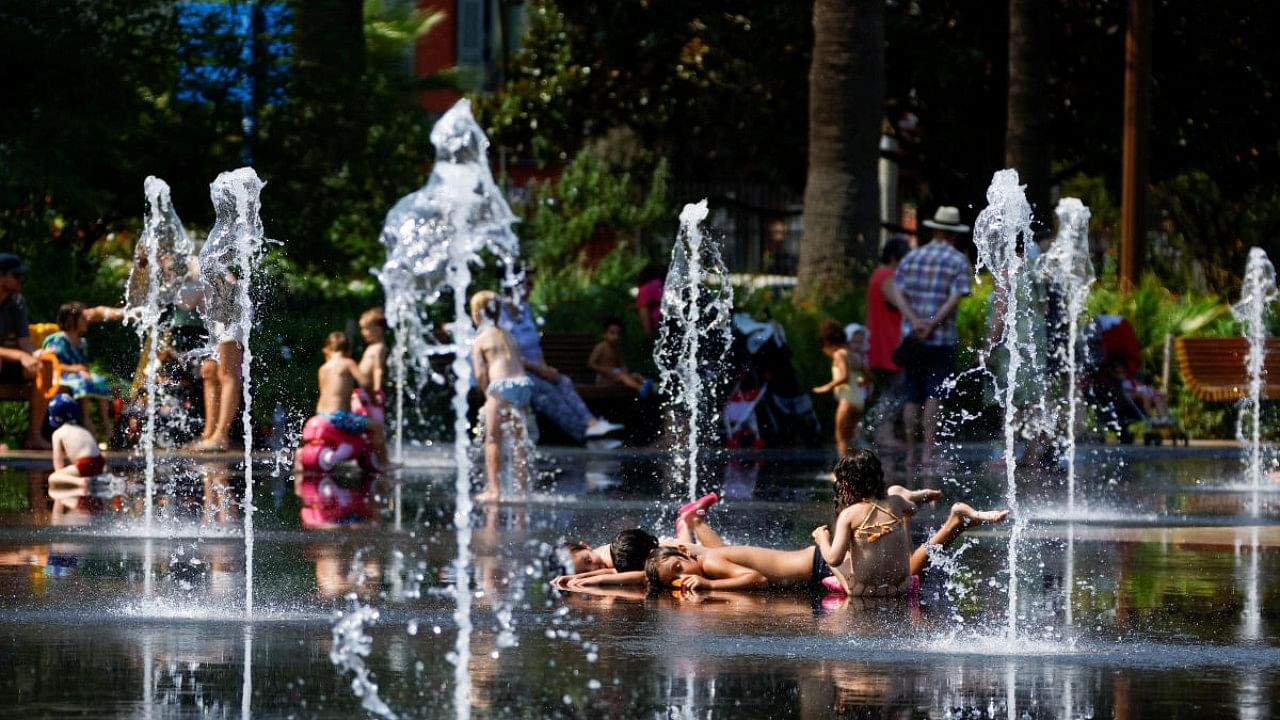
1213	368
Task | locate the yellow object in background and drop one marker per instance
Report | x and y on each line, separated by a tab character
40	331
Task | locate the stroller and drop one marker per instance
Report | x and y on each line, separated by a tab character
1119	392
767	407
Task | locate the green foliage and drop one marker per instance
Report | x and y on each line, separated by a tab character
668	71
971	322
585	238
14	487
1197	214
1155	311
13	423
101	99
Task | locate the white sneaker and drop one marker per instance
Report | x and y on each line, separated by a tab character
600	426
606	444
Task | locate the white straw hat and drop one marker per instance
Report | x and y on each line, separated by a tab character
946	218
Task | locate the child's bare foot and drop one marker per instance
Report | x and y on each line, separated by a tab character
489	496
973	517
213	444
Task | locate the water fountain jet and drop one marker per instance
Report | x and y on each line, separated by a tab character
997	232
1067	265
433	236
229	262
159	267
697	305
1256	297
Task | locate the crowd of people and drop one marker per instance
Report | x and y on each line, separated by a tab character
901	365
898	366
906	353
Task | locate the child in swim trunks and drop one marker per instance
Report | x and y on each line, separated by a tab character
75	451
872	528
499	370
338	376
844	385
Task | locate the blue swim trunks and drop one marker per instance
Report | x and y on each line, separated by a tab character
516	391
348	422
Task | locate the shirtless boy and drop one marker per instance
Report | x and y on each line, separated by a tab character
372	401
339	375
499	369
76	456
606	360
872	527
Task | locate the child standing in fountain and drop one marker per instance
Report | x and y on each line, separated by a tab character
846	381
872	528
499	370
339	376
372	401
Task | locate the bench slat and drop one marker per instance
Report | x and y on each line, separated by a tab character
1213	369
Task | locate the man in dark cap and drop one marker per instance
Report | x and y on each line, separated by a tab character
18	358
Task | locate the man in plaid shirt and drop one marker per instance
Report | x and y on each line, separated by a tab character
927	288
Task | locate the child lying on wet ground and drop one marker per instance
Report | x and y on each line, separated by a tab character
872	528
622	561
738	567
871	533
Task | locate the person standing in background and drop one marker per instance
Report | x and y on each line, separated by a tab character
927	288
884	323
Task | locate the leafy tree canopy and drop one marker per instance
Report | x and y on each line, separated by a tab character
717	87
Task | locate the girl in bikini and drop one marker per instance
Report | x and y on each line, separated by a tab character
872	528
499	371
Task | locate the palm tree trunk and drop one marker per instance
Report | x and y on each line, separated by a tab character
842	195
1027	146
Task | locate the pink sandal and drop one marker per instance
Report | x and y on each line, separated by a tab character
697	507
701	503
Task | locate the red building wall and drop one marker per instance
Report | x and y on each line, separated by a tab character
437	51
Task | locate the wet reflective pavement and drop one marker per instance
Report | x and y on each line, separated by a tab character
1157	599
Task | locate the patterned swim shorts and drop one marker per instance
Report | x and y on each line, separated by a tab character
348	422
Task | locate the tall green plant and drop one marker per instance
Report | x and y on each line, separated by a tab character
1156	311
586	236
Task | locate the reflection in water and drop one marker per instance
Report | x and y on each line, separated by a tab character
331	502
246	691
1164	612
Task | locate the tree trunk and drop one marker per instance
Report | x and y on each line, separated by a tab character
842	195
329	45
1026	140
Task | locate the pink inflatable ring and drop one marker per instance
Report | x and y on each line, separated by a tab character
325	446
